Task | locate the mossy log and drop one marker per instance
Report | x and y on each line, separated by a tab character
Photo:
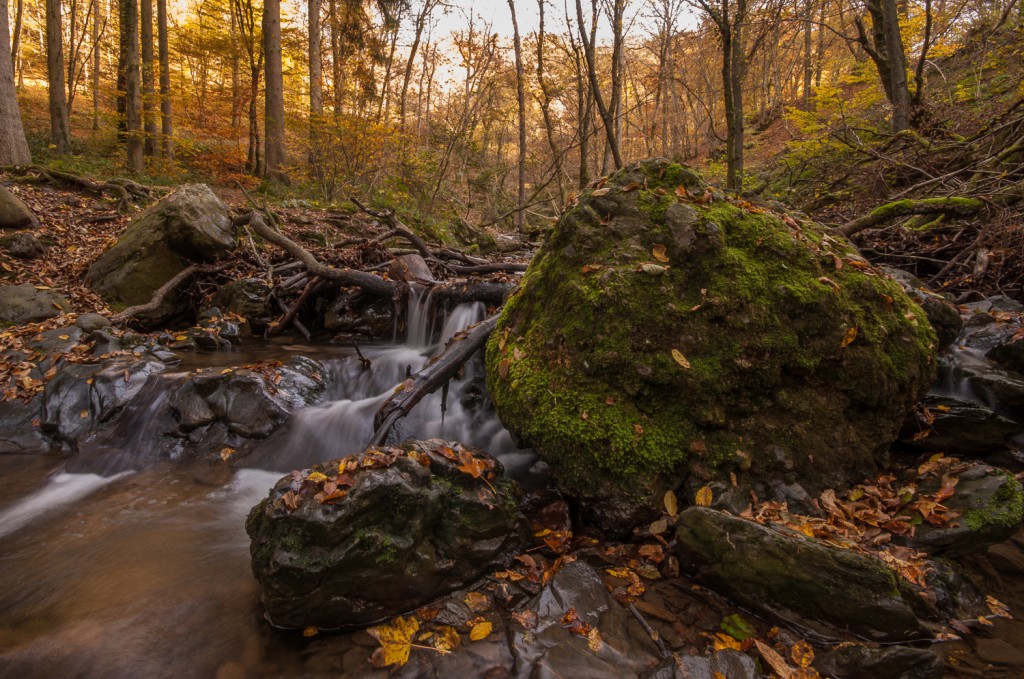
954	205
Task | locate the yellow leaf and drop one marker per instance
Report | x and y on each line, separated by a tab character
310	631
721	641
671	503
477	602
851	335
658	252
64	337
704	497
680	359
181	338
226	453
480	631
447	639
317	477
594	640
802	654
395	641
84	414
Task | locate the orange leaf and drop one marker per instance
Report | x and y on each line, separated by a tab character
704	497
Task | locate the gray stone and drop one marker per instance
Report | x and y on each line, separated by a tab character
26	304
19	430
942	314
781	571
247	298
23	245
14	213
958	427
409	527
857	661
188	226
91	322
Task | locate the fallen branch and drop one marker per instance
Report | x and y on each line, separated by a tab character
925	206
289	315
160	293
428	380
126	189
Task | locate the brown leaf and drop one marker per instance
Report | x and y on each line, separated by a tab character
477	602
527	618
671	503
802	654
777	662
658	252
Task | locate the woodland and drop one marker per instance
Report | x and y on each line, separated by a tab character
666	338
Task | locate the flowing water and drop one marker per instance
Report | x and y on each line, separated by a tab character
121	564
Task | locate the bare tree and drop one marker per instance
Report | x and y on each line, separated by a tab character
885	47
589	53
166	113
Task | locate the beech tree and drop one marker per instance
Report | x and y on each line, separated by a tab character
60	130
13	147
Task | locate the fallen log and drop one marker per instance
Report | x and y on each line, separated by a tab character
924	206
435	375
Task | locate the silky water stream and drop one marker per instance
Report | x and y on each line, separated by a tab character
121	564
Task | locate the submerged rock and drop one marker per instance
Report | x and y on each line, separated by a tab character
856	661
957	427
705	337
190	225
782	572
382	532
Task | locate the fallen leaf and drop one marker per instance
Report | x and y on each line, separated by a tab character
588	268
310	631
317	477
226	453
477	602
652	269
446	639
395	641
601	192
527	618
777	662
658	252
802	654
480	631
594	640
851	335
704	497
680	359
671	503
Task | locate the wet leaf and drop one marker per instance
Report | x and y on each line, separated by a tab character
998	607
777	662
721	641
671	503
527	618
395	641
446	639
802	654
317	477
594	641
678	357
704	497
290	500
736	626
310	631
84	414
226	453
658	252
480	631
477	602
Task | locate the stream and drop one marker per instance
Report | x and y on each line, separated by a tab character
118	564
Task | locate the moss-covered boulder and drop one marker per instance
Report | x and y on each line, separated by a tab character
666	335
188	226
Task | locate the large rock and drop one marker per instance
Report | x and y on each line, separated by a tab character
14	213
250	402
396	529
249	298
26	303
23	245
782	572
188	226
705	337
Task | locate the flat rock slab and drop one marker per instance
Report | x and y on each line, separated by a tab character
26	303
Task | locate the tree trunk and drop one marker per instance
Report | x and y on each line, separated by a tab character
604	111
885	47
808	70
421	22
166	119
274	98
336	56
520	215
16	37
316	77
96	33
60	131
13	147
121	99
148	84
737	71
133	86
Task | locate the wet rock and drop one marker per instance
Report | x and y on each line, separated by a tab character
957	427
26	304
942	314
190	225
856	661
19	427
247	298
81	396
999	652
775	570
703	338
554	651
92	322
990	502
14	213
397	529
249	402
363	319
23	246
215	330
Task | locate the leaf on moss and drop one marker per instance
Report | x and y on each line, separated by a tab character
848	338
658	252
679	358
704	497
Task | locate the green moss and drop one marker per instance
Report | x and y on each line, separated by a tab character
1005	510
755	307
